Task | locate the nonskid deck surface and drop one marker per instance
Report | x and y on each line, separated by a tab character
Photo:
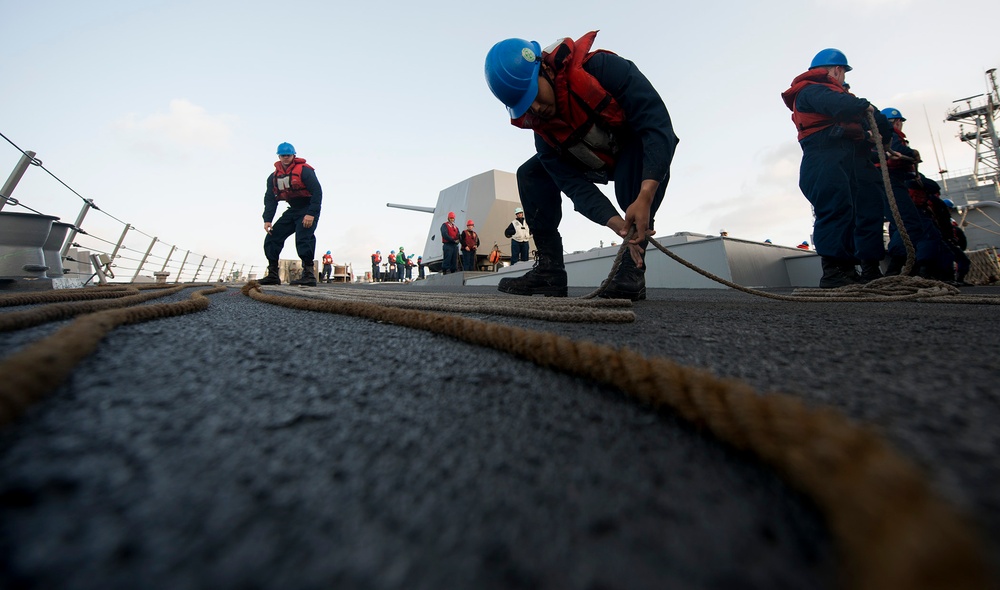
254	444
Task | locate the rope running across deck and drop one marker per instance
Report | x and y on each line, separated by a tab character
31	373
891	529
556	309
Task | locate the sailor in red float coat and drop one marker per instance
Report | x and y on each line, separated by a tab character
624	134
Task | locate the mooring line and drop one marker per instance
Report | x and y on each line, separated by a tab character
37	369
19	320
61	295
549	308
892	530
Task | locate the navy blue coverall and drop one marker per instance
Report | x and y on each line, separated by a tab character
291	220
927	241
828	177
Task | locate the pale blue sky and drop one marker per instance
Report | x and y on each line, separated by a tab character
168	114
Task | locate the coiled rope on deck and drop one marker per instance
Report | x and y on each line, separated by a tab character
891	529
40	367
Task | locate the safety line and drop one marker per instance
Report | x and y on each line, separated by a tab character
892	530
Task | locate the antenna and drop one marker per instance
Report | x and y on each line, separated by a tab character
930	131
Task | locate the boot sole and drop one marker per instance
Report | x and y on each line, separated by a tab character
548	292
640	296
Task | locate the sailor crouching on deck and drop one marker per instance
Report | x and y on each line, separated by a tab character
596	118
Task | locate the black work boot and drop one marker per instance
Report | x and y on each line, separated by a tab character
630	281
308	278
548	277
272	278
870	270
896	264
836	273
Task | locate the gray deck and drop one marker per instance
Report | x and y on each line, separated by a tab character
252	446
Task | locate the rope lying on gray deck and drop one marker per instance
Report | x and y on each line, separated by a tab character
556	309
891	528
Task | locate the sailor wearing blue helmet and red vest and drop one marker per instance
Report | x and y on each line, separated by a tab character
327	266
596	118
294	182
930	253
829	121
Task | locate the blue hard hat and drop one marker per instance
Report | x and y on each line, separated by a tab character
286	149
891	113
512	73
830	57
327	251
948	203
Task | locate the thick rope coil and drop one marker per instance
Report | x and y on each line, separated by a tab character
32	372
891	529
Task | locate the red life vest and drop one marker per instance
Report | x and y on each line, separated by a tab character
288	184
452	230
376	258
327	259
897	165
469	239
587	116
809	123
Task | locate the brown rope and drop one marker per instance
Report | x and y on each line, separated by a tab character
886	289
32	372
891	529
907	243
19	320
59	295
550	309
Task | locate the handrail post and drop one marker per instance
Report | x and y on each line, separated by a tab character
181	269
15	176
143	261
198	270
118	246
87	204
213	270
165	262
221	270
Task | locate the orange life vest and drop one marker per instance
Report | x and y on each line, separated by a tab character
327	259
288	183
809	123
587	116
